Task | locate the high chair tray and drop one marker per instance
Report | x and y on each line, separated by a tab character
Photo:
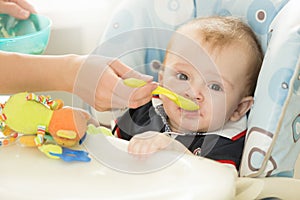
26	173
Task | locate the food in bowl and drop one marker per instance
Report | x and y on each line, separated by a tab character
29	36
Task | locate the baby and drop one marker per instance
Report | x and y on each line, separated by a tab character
215	62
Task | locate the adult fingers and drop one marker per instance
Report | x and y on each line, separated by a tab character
122	96
16	8
101	86
134	97
142	95
25	5
104	103
125	71
13	10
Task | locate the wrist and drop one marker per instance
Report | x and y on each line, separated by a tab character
72	67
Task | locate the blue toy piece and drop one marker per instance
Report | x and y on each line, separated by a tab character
70	155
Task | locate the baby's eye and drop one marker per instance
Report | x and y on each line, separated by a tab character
215	87
181	76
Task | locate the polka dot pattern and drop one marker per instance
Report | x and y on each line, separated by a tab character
260	14
123	21
174	12
296	129
279	85
155	65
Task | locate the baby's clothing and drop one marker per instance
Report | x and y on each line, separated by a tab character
225	145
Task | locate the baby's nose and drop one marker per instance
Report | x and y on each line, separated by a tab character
195	95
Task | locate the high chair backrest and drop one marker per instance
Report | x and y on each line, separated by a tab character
272	143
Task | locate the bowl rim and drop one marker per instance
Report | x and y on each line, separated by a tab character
29	34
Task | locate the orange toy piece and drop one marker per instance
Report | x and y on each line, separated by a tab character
68	134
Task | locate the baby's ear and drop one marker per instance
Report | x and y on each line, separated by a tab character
243	107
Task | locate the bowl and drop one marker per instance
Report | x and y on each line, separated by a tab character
30	36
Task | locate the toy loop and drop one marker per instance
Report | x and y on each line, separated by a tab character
45	100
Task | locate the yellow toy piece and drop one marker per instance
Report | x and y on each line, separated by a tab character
24	116
51	148
92	129
66	134
27	140
7	131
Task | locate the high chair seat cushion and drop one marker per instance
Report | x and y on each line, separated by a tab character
138	34
273	144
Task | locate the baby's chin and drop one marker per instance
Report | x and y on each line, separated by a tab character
194	124
190	126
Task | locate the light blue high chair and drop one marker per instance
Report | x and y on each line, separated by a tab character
138	34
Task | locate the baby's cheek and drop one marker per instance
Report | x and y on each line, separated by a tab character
215	112
165	100
170	108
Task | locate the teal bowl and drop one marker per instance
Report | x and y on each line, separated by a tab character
30	36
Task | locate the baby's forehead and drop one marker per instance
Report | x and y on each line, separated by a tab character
230	61
201	52
213	37
188	59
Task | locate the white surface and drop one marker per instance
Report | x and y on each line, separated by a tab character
25	173
77	25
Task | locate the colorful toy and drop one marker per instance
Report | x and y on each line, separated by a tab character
39	121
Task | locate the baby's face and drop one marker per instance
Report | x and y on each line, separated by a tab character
215	82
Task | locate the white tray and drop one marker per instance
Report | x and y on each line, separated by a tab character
26	173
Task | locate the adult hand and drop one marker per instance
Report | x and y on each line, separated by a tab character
100	84
20	9
95	79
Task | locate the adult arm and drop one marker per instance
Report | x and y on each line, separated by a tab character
97	80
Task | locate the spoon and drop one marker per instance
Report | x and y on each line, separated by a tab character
182	102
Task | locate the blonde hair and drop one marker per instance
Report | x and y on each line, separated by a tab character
219	32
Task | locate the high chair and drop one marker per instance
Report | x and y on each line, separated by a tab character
138	34
273	138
